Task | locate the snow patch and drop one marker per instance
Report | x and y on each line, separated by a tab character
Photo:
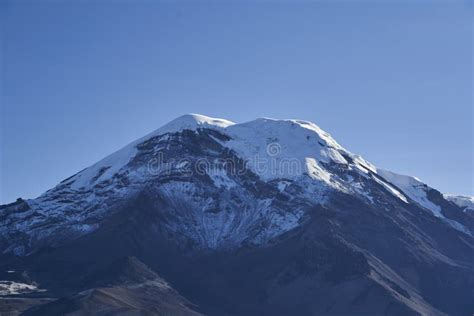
463	201
391	189
413	188
15	288
220	178
316	172
193	122
283	184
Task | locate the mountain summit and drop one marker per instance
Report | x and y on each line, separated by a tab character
262	217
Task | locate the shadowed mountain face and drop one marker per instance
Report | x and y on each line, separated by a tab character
125	287
261	218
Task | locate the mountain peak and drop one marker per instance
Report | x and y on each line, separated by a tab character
299	128
274	153
281	193
193	121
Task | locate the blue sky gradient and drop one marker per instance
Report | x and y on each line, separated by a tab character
391	82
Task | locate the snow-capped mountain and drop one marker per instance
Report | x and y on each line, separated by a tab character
283	155
207	187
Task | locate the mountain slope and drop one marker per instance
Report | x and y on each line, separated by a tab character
264	217
126	287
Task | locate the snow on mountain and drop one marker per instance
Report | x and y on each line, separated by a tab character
110	165
391	189
272	148
192	122
277	203
417	191
411	187
292	142
15	288
293	157
285	148
466	202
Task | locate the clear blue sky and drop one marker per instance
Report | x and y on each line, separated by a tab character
392	82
